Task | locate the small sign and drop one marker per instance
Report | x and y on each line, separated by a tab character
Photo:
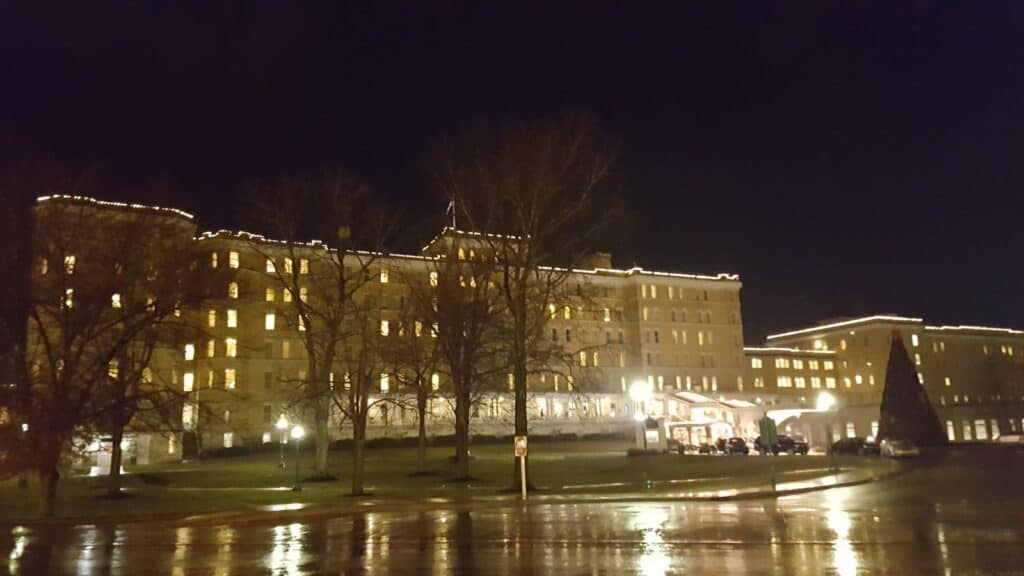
520	446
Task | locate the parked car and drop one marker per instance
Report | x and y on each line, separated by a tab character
857	446
787	445
688	448
898	448
734	445
707	448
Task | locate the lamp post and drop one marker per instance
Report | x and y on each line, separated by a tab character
640	393
297	434
825	403
282	426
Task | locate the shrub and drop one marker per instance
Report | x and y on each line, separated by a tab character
232	452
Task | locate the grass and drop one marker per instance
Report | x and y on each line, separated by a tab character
250	481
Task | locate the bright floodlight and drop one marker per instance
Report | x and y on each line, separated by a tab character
282	423
298	432
640	391
639	417
825	401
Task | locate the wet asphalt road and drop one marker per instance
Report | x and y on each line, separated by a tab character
961	515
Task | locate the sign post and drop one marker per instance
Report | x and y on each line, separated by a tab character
520	446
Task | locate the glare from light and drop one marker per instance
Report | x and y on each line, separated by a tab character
282	423
639	417
298	432
825	402
640	391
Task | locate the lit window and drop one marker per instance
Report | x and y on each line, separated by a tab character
871	379
44	266
147	375
435	381
211	318
607	315
211	348
783	382
385	383
830	382
230	347
798	364
229	378
232	318
302	324
115	300
286	349
171	444
644	311
286	294
433	330
271	268
303	293
920	378
69	264
433	278
383	275
303	266
847	382
69	298
233	290
186	416
190	351
418	328
385	327
112	369
654	291
858	379
980	431
288	268
851	430
947	381
799	382
213	259
819	345
914	340
269	295
229	439
829	365
188	382
815	382
583	358
917	359
269	321
232	259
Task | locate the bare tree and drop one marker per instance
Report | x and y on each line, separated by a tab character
82	319
540	195
463	308
321	277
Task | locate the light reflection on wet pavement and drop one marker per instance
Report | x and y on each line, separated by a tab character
952	518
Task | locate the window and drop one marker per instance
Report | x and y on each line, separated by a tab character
643	290
383	275
188	381
799	382
980	431
914	340
302	323
385	327
783	382
994	426
303	266
269	321
583	358
230	347
830	382
644	312
232	318
268	380
232	259
813	364
657	337
171	444
829	365
798	364
286	295
782	362
229	378
568	335
69	264
190	352
268	416
947	381
847	382
851	430
233	290
271	268
815	382
213	259
211	318
607	315
435	381
115	300
229	439
433	278
286	349
858	379
966	429
950	431
270	295
917	359
675	337
385	384
303	293
69	298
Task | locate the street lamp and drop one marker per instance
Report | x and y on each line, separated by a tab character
640	392
297	434
824	403
282	425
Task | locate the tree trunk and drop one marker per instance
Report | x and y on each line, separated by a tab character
462	431
519	379
358	456
321	413
114	477
421	441
48	479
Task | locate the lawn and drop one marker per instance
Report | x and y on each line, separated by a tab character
558	468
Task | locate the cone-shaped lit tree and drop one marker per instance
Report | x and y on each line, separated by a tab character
906	412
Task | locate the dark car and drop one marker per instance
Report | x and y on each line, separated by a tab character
857	446
787	445
706	448
734	445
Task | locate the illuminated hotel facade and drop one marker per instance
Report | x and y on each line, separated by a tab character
682	334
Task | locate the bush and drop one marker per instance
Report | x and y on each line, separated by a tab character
384	442
232	452
634	452
341	444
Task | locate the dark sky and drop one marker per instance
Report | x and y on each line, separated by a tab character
845	158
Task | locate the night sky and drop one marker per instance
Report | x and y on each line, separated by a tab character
847	159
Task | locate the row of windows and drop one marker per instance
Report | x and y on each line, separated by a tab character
800	382
704	337
703	316
795	363
651	291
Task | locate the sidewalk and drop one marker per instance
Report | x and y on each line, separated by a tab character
656	492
